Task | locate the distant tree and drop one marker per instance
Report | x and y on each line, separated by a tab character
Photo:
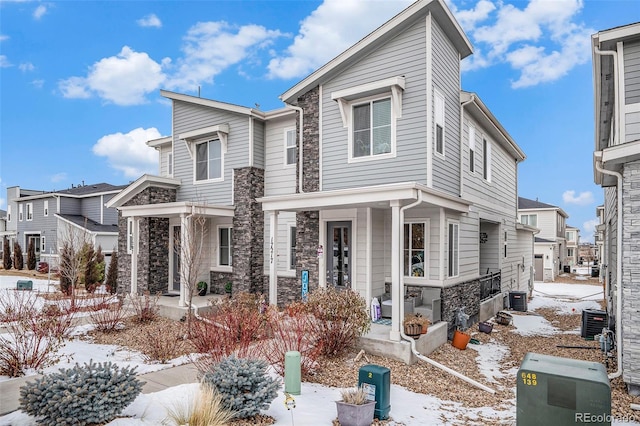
89	266
112	273
100	266
18	259
31	256
6	254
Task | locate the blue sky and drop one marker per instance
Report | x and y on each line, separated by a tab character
80	81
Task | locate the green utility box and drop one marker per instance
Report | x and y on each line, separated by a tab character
24	285
376	380
562	391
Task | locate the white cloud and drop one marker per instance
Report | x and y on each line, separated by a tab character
329	30
4	37
4	62
583	199
128	153
40	11
58	177
26	67
37	83
590	225
542	41
124	79
211	47
150	20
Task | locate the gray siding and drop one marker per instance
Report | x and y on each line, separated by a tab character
279	178
110	216
258	144
632	126
70	206
404	55
632	72
188	117
446	79
91	208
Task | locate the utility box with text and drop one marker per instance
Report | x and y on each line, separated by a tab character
376	380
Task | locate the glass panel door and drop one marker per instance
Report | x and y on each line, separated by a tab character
338	254
36	245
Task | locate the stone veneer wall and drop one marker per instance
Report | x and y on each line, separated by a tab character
218	281
630	273
465	294
248	231
153	255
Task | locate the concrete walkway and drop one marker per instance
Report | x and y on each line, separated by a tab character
155	381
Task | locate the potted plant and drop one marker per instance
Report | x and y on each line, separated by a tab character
424	323
202	288
355	409
412	325
228	287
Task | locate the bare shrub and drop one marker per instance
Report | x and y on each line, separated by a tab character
108	314
171	345
145	307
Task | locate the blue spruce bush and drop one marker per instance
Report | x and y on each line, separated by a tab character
82	395
244	384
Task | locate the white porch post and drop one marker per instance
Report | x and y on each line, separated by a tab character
182	253
273	257
134	255
396	292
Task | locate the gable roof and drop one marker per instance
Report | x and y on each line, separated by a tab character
381	35
140	185
79	191
88	224
543	240
527	204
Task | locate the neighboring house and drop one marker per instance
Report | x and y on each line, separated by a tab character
587	253
550	244
380	174
3	229
48	218
572	236
616	158
598	237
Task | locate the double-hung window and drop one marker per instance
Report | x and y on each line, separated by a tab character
225	245
29	211
486	160
9	213
209	160
170	164
414	251
454	249
439	121
472	148
529	219
372	128
20	213
46	208
290	146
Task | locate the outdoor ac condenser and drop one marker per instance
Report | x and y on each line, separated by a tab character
562	391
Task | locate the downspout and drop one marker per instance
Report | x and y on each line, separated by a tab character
618	371
462	105
411	341
300	133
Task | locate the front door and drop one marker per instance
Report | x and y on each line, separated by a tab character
175	260
35	239
539	268
339	254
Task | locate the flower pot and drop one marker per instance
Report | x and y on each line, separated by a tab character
485	327
355	415
460	339
425	328
412	330
202	292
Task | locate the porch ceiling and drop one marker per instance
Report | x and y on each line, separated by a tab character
176	209
379	196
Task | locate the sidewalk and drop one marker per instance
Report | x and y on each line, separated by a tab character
155	381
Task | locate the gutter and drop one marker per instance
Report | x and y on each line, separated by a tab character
618	371
300	133
412	341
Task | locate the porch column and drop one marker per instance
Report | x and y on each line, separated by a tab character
135	248
396	257
182	254
273	257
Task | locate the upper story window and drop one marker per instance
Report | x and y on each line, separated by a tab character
569	236
561	225
439	121
472	148
415	249
369	112
290	146
20	213
170	164
486	160
46	208
529	219
208	160
29	211
9	213
372	128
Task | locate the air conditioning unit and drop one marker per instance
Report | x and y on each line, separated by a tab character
518	300
593	321
562	391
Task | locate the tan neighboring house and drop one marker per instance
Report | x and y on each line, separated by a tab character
572	235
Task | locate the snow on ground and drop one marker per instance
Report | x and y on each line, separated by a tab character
315	405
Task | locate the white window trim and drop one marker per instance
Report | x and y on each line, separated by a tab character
289	235
20	213
529	219
43	245
222	155
286	148
29	212
449	249
219	267
472	148
486	153
170	164
130	235
417	280
46	208
9	213
372	157
439	120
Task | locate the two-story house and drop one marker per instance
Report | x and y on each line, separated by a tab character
616	158
46	219
572	237
379	175
550	243
598	238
